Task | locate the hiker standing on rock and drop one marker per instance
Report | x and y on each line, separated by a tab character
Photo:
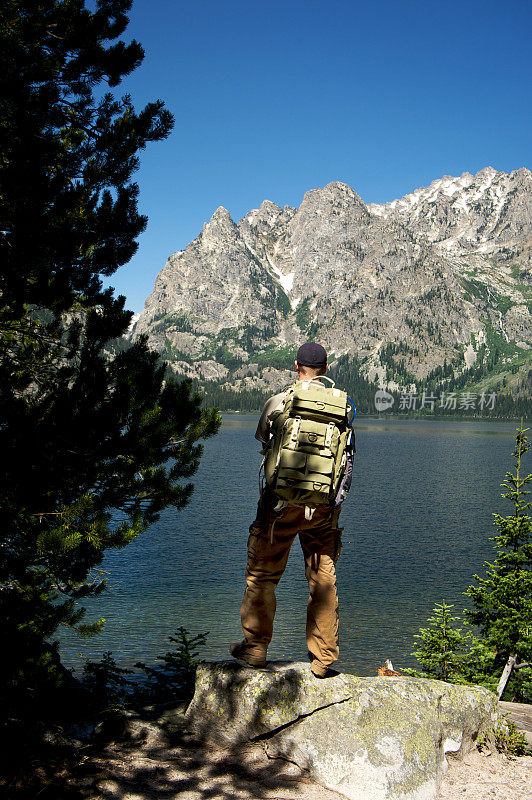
308	447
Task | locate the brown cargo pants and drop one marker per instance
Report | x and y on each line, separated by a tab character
270	540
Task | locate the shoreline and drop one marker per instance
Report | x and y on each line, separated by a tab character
405	417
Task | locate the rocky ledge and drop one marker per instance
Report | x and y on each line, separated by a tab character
367	738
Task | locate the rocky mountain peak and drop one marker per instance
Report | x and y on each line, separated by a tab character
488	173
263	218
419	282
218	231
267	207
337	195
469	214
221	220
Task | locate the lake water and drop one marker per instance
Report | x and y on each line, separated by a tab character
416	527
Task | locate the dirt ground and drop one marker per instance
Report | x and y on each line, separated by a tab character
488	777
152	772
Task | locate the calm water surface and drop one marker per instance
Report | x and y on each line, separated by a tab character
416	527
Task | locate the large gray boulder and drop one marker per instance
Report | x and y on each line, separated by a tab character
367	738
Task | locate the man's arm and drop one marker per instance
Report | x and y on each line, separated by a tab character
263	432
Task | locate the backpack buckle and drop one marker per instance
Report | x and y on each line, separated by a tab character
329	435
294	437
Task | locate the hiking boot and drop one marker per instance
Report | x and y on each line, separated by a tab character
320	670
238	651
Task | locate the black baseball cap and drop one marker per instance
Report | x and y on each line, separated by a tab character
311	354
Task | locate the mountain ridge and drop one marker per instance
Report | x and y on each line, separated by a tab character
442	275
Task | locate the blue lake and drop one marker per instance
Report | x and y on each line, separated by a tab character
416	527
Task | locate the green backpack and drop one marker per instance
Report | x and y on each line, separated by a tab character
306	461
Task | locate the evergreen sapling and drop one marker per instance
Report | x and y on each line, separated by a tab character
443	647
503	599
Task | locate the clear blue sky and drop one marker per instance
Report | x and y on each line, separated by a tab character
274	98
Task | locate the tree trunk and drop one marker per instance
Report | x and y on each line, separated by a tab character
505	677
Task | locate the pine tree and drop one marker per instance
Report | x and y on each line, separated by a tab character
84	435
503	598
442	645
